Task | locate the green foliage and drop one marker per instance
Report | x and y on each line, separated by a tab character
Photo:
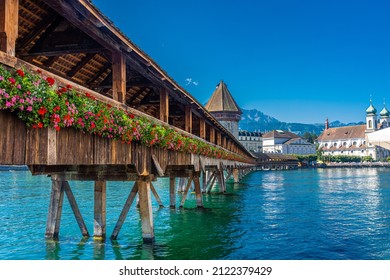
340	158
310	137
367	158
306	158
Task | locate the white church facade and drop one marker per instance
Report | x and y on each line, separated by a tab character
353	140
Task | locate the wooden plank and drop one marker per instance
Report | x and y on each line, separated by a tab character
75	208
164	105
125	211
99	226
9	12
52	146
145	204
118	76
55	208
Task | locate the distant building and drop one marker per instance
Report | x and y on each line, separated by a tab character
252	141
285	142
223	107
352	140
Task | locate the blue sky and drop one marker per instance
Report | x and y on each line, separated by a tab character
298	61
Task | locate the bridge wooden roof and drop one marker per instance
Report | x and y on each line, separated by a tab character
73	39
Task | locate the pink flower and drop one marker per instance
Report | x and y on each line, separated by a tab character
29	108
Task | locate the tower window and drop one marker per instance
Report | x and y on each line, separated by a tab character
370	124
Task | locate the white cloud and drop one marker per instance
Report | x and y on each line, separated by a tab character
190	81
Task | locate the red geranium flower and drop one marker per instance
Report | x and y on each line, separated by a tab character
20	72
50	81
68	86
40	125
12	80
42	111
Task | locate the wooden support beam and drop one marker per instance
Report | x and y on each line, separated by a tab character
188	119
202	132
50	61
186	191
80	65
172	192
164	105
55	207
99	227
118	76
212	181
125	211
75	209
212	135
198	190
145	203
160	171
219	138
9	13
229	174
221	181
156	196
39	28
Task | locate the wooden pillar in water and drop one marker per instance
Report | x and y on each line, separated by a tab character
55	207
99	224
198	190
236	175
172	192
145	205
204	181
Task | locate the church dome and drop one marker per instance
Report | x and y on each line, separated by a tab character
371	110
385	112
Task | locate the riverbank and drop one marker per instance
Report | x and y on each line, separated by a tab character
354	164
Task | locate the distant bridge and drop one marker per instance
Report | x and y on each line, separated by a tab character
73	45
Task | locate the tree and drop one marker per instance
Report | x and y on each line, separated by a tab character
310	137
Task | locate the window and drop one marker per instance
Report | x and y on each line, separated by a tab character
370	124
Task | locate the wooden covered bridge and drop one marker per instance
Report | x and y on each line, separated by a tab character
80	101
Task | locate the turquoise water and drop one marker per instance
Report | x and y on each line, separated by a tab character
285	215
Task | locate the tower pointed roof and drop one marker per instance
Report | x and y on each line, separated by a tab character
222	100
371	109
385	113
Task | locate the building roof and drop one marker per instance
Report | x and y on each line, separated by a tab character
345	132
222	100
384	113
371	110
247	133
280	134
294	140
